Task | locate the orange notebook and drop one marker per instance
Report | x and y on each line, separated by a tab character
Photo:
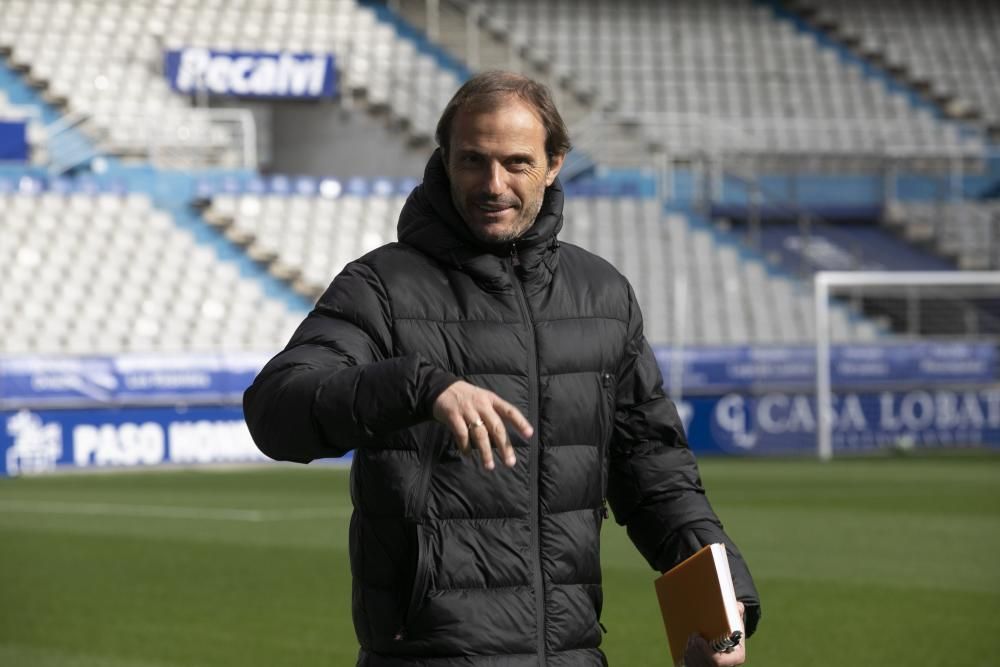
697	595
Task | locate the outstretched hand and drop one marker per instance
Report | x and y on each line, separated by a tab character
477	418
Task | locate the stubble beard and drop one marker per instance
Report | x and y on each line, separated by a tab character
525	220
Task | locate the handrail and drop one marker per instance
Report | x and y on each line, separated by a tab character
166	146
67	149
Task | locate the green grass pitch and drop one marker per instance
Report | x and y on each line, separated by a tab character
859	562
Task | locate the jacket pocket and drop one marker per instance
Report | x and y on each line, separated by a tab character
608	405
416	502
421	578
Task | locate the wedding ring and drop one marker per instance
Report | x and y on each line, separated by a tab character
478	422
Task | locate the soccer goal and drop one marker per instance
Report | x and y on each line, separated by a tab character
929	377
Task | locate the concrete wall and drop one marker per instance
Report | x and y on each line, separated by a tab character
327	139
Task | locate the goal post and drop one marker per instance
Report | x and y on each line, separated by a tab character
951	313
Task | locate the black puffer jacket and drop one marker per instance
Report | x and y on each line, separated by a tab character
454	565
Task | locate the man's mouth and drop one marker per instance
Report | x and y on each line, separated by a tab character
494	208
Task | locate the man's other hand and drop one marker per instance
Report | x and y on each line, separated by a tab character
699	654
477	418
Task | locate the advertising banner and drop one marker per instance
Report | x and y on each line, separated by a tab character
40	441
252	73
133	379
774	423
785	422
723	369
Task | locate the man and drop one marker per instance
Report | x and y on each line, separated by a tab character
479	339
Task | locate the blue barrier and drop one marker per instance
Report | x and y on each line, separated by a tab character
126	380
332	187
14	141
221	378
793	368
137	410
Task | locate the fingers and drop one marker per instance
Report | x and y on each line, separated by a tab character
699	654
513	416
490	434
737	657
495	435
479	438
462	406
507	412
459	429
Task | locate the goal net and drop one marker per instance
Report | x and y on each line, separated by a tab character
930	379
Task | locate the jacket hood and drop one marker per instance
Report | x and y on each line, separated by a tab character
430	222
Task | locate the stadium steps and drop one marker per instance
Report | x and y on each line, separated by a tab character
175	193
497	51
832	36
954	100
772	265
66	148
19	92
408	29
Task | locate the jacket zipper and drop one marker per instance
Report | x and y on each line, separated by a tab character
533	456
426	459
607	382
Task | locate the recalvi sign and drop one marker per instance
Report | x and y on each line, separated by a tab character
252	74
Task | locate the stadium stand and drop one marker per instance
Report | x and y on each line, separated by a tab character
107	273
968	231
772	89
946	49
104	61
306	240
729	298
701	76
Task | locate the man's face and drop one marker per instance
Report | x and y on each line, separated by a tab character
498	169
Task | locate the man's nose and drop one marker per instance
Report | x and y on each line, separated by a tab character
495	184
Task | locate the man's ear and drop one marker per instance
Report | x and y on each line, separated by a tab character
555	164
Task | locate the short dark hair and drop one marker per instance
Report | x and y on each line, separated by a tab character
487	89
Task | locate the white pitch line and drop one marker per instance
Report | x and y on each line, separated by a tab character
306	513
168	511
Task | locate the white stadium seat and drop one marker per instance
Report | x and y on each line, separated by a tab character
138	282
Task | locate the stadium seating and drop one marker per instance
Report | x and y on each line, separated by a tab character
701	76
968	231
99	274
680	272
948	49
105	60
306	240
696	76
